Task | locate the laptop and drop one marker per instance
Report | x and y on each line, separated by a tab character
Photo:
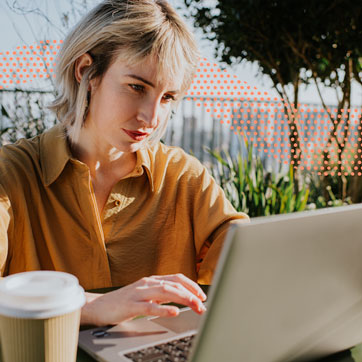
287	288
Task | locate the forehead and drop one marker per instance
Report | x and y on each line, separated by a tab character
151	70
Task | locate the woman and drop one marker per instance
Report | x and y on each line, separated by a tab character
98	195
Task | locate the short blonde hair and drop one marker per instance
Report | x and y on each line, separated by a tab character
133	30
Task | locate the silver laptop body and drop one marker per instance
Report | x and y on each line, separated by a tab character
287	287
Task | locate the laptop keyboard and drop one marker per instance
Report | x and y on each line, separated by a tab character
173	351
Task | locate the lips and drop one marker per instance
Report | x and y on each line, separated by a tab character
136	135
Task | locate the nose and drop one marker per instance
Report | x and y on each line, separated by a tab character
149	113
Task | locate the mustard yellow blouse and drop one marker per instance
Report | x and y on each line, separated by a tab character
159	219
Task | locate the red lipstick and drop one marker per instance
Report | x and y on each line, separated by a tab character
136	135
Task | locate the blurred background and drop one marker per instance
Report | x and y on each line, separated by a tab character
274	111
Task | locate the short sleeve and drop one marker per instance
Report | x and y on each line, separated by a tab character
5	220
213	214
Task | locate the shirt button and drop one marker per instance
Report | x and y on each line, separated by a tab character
117	203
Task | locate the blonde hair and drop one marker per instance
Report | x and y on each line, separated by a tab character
133	30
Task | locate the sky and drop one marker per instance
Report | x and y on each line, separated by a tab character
31	20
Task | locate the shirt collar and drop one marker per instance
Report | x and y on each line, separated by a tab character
55	153
143	163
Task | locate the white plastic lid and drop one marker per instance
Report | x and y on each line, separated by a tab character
40	294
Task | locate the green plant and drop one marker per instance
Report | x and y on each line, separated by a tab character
252	189
315	50
324	191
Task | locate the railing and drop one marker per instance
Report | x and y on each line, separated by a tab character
197	126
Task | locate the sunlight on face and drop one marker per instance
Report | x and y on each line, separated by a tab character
129	103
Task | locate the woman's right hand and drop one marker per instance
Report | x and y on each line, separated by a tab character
144	297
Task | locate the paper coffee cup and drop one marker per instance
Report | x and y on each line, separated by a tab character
39	317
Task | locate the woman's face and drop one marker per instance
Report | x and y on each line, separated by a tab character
129	104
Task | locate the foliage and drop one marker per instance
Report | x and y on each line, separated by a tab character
307	41
251	189
24	115
325	193
285	39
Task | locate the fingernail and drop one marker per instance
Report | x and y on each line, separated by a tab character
202	295
202	308
174	312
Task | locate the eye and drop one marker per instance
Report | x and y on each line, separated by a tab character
137	87
168	98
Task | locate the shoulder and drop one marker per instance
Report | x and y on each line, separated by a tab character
35	158
175	160
172	168
19	156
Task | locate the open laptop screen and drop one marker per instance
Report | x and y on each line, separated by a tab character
288	287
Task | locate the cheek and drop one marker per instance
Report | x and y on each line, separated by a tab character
164	116
114	104
164	112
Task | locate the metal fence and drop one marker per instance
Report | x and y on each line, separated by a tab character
196	127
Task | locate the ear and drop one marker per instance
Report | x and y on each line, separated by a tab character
81	64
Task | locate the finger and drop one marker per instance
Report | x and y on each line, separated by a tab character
166	292
153	309
182	289
186	282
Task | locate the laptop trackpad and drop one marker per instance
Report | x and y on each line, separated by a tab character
187	320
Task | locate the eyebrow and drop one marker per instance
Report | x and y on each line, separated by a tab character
147	82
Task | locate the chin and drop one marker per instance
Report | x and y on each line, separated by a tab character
131	147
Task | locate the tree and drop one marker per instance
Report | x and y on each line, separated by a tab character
304	41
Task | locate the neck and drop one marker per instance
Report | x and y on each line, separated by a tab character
100	158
